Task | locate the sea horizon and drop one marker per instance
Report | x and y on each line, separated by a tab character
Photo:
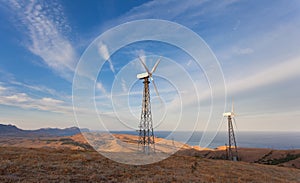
283	140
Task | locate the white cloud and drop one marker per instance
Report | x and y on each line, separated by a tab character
242	51
2	89
22	100
45	26
18	98
12	97
279	73
38	88
189	63
274	74
124	86
52	101
167	9
103	51
187	12
101	88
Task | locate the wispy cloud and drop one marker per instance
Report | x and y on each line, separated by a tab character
103	51
45	25
39	88
274	74
37	97
124	86
242	51
11	97
186	12
42	89
168	9
101	88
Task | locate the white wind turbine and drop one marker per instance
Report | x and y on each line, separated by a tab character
232	152
146	135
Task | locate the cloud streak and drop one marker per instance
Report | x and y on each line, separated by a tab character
45	26
187	12
279	73
101	88
103	51
14	98
242	51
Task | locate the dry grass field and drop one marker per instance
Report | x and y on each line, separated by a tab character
71	159
66	165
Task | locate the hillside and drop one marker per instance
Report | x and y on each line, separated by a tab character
284	158
10	129
72	159
65	165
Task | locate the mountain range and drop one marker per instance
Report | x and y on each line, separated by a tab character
13	131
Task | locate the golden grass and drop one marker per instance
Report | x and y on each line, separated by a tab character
55	165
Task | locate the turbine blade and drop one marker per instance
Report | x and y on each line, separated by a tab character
144	65
155	66
156	91
235	124
232	107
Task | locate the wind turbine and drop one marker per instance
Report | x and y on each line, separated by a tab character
146	135
232	153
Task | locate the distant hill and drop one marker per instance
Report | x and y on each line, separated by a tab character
9	129
12	130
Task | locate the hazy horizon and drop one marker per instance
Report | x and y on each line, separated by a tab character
112	130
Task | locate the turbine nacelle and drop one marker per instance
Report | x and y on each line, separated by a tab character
226	114
142	75
148	74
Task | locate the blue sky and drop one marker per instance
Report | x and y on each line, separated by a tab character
255	42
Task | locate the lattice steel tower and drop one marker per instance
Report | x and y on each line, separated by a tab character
146	134
231	150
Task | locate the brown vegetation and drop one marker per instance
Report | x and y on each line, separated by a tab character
54	165
71	159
